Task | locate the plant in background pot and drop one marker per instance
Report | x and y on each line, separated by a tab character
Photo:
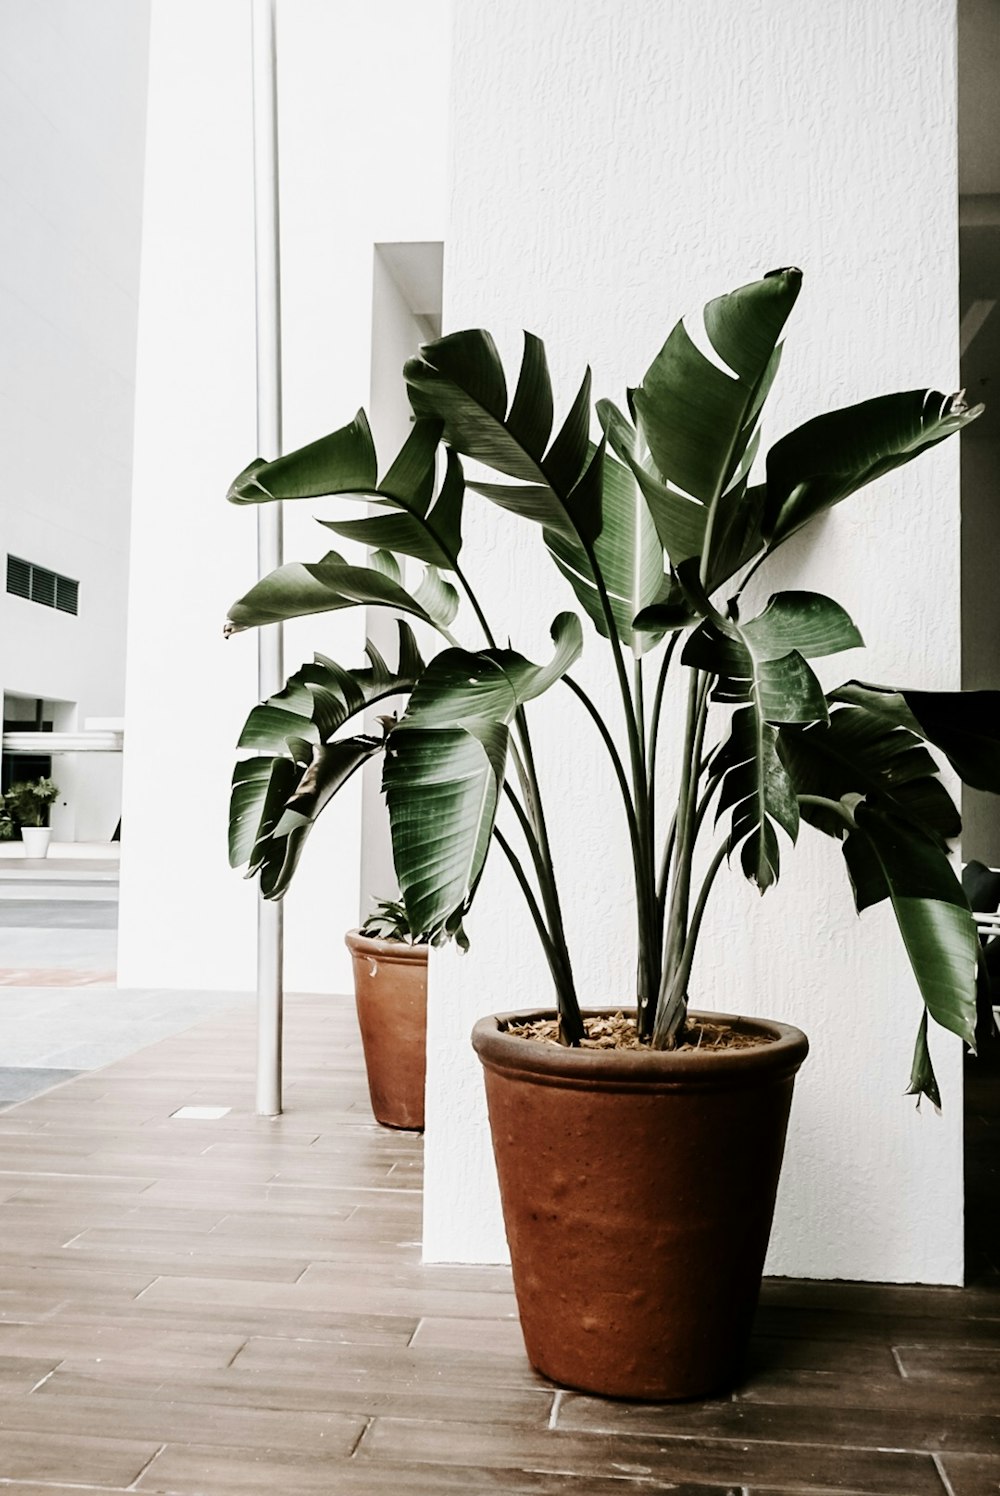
29	802
390	991
638	1182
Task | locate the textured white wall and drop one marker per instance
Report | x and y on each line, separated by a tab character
614	167
72	117
347	82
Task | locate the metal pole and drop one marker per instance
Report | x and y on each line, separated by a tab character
270	666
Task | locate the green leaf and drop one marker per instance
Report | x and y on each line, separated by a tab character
459	380
679	521
932	913
343	462
434	536
442	785
782	690
386	563
321	696
965	725
276	801
830	457
805	621
757	788
260	788
629	556
923	1081
460	686
860	754
437	597
697	419
326	586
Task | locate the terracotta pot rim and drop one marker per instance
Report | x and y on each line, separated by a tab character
386	950
646	1069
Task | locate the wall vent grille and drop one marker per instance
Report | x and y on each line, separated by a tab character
39	585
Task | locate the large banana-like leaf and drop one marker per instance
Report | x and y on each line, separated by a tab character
888	858
965	725
679	520
344	464
285	796
698	415
460	686
763	663
442	785
460	381
861	754
830	457
321	696
758	790
325	586
276	800
434	536
629	557
445	765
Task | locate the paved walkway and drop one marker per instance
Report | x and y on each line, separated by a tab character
60	1009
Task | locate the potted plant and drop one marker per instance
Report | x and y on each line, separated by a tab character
29	802
637	1251
390	992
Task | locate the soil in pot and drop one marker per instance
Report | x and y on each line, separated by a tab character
390	991
638	1189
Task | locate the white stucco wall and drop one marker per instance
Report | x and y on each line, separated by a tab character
72	117
348	85
614	167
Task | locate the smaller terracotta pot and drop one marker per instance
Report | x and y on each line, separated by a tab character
390	991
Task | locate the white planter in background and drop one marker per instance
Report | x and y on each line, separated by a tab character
36	840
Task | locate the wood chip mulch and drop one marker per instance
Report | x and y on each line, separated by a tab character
617	1031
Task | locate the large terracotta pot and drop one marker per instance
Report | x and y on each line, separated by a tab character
638	1189
390	990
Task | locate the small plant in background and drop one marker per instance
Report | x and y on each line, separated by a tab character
6	823
388	921
28	801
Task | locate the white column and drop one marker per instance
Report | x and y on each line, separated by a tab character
615	166
349	83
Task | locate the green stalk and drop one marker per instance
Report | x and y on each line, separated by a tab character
671	1013
676	931
654	720
613	753
569	1007
648	966
566	1002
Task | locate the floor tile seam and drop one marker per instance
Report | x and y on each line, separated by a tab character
134	1483
743	1439
949	1489
560	1433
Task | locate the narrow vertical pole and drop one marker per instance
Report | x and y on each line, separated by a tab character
270	670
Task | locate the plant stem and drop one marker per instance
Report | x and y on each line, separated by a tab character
649	952
668	1022
570	1021
671	1013
654	720
538	841
613	753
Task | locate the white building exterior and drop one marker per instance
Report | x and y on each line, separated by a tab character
594	170
72	122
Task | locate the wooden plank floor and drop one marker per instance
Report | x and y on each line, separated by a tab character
237	1306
